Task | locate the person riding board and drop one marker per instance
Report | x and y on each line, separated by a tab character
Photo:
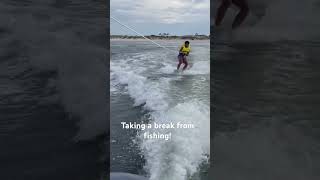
183	52
244	10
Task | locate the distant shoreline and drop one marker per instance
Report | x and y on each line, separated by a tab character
157	37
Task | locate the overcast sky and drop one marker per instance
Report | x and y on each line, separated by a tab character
177	17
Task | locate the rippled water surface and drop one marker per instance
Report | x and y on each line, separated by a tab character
266	99
52	93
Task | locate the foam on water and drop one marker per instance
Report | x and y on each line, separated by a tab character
199	67
180	157
141	90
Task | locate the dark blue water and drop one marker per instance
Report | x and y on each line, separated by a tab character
49	64
266	101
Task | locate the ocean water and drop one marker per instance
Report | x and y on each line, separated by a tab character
53	100
146	88
266	99
266	93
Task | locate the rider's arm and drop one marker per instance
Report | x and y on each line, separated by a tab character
180	51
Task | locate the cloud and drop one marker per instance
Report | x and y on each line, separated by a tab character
162	11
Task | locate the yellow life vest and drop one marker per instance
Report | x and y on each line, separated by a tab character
185	50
